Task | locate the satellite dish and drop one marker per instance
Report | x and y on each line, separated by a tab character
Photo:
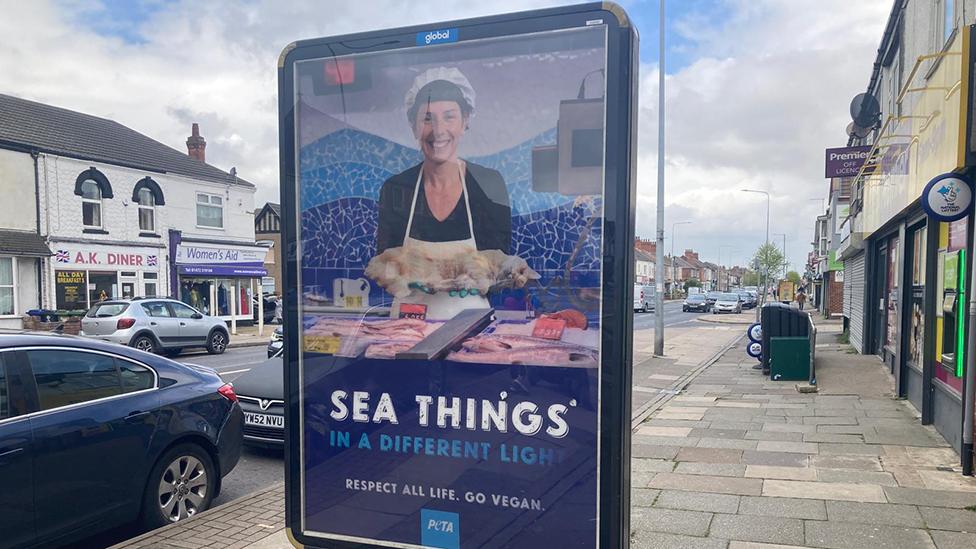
853	130
865	110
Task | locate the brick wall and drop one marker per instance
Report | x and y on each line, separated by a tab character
648	246
835	295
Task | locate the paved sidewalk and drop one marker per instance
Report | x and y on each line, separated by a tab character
247	522
247	336
745	318
739	462
686	349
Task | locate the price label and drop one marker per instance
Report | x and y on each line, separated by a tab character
321	344
549	328
413	310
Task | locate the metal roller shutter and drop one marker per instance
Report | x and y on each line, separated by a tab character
848	290
854	299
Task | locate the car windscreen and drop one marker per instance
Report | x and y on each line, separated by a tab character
729	297
107	309
696	297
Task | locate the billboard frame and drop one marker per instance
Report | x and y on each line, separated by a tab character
613	494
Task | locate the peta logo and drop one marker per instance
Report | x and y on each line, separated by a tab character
440	526
437	37
440	529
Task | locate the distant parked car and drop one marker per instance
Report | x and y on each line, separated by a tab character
710	297
749	299
261	392
155	325
644	297
95	436
695	302
727	303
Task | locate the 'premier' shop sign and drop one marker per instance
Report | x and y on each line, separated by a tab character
845	161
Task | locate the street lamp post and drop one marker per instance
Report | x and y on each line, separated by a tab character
720	267
762	298
673	229
659	255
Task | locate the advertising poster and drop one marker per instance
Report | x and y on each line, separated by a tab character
70	290
450	204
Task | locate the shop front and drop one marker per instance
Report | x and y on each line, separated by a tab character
219	279
916	257
84	274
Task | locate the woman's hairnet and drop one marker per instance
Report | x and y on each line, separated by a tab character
439	84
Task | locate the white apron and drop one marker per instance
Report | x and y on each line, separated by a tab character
441	305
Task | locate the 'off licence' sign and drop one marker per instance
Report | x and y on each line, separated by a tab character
845	161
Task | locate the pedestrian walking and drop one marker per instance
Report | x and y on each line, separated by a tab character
278	310
801	298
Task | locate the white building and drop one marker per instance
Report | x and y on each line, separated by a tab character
643	267
125	215
22	249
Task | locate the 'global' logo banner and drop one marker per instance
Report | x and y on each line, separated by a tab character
441	36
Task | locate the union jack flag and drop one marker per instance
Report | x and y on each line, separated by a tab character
151	260
62	256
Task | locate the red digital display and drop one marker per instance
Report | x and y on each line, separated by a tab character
340	72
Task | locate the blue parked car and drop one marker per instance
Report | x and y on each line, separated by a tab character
95	435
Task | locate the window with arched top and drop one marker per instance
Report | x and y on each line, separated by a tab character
93	187
147	210
91	204
147	195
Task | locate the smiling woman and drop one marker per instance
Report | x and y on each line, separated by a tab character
444	199
445	206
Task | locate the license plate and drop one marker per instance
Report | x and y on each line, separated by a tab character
264	420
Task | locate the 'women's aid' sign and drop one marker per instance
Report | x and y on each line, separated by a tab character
456	305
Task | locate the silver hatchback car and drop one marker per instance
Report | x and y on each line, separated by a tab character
155	325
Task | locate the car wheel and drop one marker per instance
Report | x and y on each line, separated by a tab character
144	343
217	342
181	484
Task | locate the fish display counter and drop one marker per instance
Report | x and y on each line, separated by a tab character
549	340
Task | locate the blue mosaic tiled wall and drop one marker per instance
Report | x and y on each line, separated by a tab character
341	176
352	163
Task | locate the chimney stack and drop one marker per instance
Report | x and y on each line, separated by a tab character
648	246
196	145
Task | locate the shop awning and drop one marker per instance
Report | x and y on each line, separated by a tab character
23	244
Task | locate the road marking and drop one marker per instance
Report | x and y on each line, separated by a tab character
235	371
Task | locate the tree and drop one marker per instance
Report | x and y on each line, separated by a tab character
793	277
750	278
768	260
692	283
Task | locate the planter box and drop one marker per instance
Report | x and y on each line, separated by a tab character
72	325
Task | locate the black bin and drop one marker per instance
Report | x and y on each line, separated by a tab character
781	320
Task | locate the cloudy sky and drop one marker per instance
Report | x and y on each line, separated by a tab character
756	90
